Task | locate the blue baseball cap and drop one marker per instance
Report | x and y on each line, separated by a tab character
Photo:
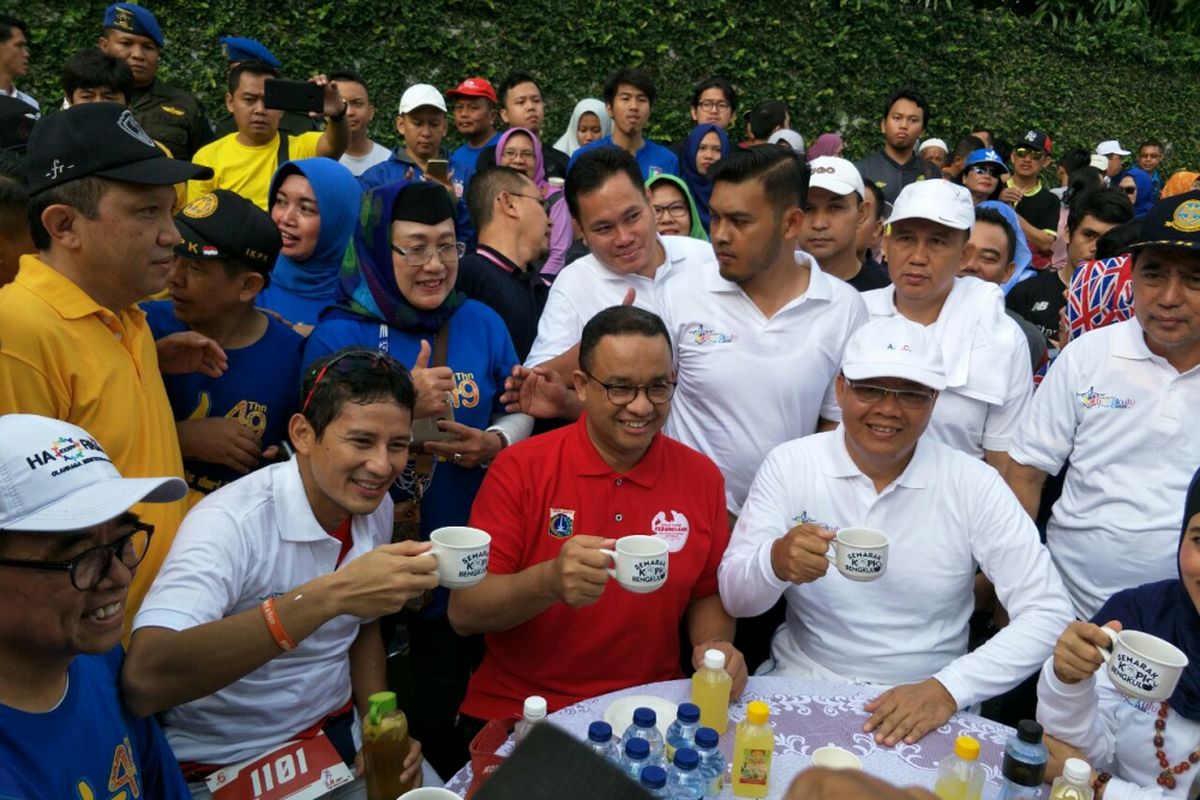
237	48
133	19
986	155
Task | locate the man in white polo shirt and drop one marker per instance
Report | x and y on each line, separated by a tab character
757	336
986	357
262	626
1120	404
945	513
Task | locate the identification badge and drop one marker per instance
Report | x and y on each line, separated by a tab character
301	770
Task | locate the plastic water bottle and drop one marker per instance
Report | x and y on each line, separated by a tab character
710	691
535	712
654	781
683	730
1075	781
637	757
684	779
712	763
600	739
1024	764
961	776
645	726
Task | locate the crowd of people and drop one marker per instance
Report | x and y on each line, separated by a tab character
247	369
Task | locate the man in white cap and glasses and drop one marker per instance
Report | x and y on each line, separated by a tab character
896	615
1115	157
69	547
985	355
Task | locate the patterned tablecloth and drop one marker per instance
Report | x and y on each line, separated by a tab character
807	715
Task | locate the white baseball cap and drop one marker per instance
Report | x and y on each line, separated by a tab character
936	200
1111	148
835	175
54	476
1099	162
894	347
793	139
421	94
933	143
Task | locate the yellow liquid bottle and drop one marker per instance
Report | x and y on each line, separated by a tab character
961	776
752	751
710	691
385	746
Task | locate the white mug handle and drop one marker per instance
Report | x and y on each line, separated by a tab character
831	552
1106	652
612	554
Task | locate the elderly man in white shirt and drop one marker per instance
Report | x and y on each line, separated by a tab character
944	512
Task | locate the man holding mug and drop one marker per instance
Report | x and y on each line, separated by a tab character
943	513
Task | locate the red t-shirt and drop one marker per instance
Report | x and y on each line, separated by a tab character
540	492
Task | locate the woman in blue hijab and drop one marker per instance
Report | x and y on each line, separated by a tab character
313	203
705	145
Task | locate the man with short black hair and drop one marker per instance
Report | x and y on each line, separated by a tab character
521	106
868	242
1037	208
17	119
239	50
714	101
93	76
421	123
1150	155
629	98
835	211
765	119
475	117
14	58
956	161
905	116
1073	159
362	152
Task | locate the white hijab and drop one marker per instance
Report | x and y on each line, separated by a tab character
568	143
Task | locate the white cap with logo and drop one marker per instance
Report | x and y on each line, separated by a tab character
421	94
936	200
835	175
54	476
894	347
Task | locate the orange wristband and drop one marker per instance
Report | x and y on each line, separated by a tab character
271	615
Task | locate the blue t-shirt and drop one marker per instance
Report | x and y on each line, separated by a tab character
463	161
653	158
89	746
291	306
261	389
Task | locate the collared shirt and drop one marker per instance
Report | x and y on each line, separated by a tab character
891	177
247	169
1125	419
748	382
253	539
543	491
585	287
171	116
517	295
27	99
652	157
62	355
944	515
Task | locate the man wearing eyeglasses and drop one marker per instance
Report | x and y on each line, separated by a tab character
714	100
944	513
69	548
1034	203
556	625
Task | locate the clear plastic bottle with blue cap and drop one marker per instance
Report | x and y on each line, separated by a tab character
654	781
685	781
645	726
712	763
635	758
600	739
682	732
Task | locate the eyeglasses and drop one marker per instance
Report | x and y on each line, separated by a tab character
1025	152
909	398
91	566
622	394
676	210
714	105
544	202
353	361
527	155
1129	190
420	256
979	169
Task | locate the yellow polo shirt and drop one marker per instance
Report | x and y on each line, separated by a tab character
62	355
244	169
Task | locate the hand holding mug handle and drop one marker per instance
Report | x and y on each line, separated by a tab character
612	554
831	552
1106	652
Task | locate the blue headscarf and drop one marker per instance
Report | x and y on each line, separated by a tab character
1023	256
699	185
338	197
1145	189
1165	609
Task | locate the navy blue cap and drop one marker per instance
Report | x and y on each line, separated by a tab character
687	758
225	225
133	19
645	717
637	749
688	712
707	738
1173	223
985	155
237	48
654	777
600	731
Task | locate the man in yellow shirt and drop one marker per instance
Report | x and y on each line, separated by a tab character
244	162
73	344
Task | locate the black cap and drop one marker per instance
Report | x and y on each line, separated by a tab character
1038	140
1173	223
1029	731
16	122
424	202
766	117
101	139
223	224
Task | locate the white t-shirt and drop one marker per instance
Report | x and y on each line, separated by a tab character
252	539
1126	420
988	378
748	383
945	514
585	286
360	164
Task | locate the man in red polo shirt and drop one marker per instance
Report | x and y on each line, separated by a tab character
556	625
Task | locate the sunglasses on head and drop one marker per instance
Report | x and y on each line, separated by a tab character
352	361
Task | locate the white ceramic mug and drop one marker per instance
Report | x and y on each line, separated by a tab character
429	793
1142	666
859	553
640	563
835	757
462	555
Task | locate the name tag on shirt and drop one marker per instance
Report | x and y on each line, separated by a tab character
301	770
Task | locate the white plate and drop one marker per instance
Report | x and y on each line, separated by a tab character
619	713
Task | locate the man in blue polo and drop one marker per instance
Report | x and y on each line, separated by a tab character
629	97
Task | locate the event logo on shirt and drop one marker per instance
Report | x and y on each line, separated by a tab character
702	335
123	782
804	519
466	390
69	453
673	531
562	522
1093	399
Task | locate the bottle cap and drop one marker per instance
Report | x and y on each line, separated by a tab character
535	707
687	758
600	731
1029	731
757	712
382	704
1077	770
714	659
688	713
645	717
654	777
637	749
707	738
966	748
